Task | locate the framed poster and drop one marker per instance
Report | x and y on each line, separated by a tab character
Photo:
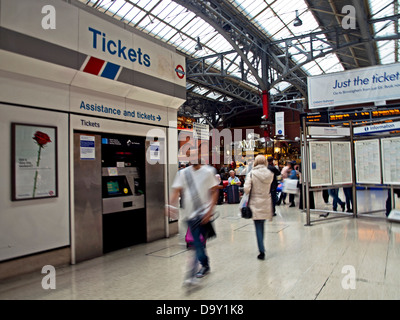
341	162
368	161
320	163
390	148
34	161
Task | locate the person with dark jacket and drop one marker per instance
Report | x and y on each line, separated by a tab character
274	183
292	175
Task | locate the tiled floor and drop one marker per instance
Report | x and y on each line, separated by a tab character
337	259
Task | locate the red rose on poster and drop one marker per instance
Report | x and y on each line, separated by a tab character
41	138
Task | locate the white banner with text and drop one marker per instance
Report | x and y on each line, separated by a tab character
378	83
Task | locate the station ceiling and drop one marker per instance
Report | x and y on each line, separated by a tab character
235	49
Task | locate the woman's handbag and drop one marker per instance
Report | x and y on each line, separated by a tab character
246	211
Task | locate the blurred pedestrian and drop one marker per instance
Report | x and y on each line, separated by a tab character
334	193
284	175
348	193
274	183
201	194
293	174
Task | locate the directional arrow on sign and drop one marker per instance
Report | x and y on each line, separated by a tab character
158	118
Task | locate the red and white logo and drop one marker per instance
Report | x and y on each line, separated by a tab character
180	72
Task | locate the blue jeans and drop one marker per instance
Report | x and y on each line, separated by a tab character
196	229
334	194
260	234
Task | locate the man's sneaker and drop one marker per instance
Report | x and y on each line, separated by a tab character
190	282
203	271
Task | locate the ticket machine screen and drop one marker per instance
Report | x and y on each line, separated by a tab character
116	186
112	187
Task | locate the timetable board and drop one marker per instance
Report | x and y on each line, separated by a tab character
390	148
320	163
341	162
368	161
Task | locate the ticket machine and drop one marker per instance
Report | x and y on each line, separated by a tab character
119	196
123	191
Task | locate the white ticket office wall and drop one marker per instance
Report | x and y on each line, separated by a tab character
39	86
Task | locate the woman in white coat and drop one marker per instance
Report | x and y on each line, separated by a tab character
259	182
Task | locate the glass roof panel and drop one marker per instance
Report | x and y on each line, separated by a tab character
163	9
386	49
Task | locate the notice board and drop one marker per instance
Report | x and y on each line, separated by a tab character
341	162
368	161
390	148
320	163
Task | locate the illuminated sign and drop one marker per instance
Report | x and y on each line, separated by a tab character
354	116
349	116
386	113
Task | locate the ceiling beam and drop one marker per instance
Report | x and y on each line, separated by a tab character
362	21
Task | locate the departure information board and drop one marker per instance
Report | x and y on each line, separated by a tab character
360	116
356	117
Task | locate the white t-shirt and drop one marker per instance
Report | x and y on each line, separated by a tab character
203	179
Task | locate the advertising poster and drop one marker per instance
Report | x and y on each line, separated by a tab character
371	84
34	160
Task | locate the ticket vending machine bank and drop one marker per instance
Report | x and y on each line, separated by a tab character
118	197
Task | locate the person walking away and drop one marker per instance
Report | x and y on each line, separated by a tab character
348	193
325	196
334	193
259	182
274	183
285	175
292	175
200	178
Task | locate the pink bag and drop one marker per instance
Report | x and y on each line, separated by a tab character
189	239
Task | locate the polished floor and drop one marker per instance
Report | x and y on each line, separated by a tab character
343	258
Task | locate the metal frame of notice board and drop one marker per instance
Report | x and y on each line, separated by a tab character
361	139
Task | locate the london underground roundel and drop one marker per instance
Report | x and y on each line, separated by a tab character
179	71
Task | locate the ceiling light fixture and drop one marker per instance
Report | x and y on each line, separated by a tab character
297	22
198	46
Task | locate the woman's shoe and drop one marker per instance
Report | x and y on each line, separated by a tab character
261	256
